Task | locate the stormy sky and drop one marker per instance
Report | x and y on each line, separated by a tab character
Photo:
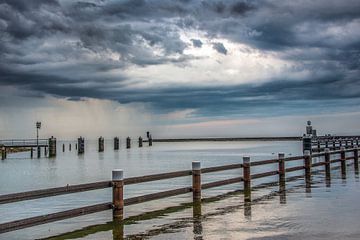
179	68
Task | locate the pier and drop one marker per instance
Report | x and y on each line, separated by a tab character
119	182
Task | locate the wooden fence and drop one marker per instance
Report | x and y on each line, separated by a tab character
118	182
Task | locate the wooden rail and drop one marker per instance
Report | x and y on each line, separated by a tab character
118	183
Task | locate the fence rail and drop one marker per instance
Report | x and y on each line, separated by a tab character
23	142
118	183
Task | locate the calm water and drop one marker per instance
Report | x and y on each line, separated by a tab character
326	210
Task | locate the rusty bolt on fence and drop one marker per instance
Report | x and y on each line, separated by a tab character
118	193
247	178
196	181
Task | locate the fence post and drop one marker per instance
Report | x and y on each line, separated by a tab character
63	147
116	143
247	178
196	181
307	166
356	156
101	144
281	157
70	147
334	144
31	152
128	142
140	142
3	153
318	146
118	193
343	161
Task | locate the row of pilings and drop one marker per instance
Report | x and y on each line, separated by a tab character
80	145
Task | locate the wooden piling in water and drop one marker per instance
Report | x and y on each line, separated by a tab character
81	145
52	147
38	152
70	147
150	141
356	156
128	142
307	167
343	161
116	143
140	142
3	153
118	193
247	178
45	151
31	152
196	181
281	157
63	147
101	144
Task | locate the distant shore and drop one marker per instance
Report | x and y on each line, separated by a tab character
227	139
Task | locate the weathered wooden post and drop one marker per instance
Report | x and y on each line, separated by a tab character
247	178
140	142
326	144
346	143
343	162
318	146
70	147
150	141
307	144
128	142
340	143
101	144
45	151
3	153
81	145
357	141
52	147
76	146
352	143
307	166
116	143
356	158
31	152
282	183
327	167
196	181
118	193
281	157
63	146
38	151
334	144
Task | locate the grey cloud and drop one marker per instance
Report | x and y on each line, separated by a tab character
220	48
63	48
197	43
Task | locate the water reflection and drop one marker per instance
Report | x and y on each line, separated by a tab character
282	190
118	229
197	221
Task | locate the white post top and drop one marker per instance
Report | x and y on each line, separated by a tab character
196	165
281	155
342	148
117	175
327	150
307	153
246	159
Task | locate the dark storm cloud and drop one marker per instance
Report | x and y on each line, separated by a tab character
197	43
219	47
80	48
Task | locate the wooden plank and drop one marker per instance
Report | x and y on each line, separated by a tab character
52	217
295	158
222	182
16	197
266	174
154	196
221	168
318	164
293	169
264	162
156	177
